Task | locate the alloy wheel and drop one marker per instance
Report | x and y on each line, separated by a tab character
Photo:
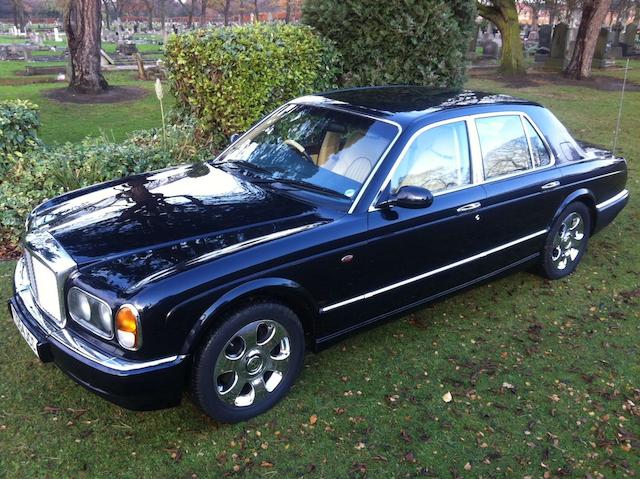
253	363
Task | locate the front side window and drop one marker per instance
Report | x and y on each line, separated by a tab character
437	160
328	149
504	146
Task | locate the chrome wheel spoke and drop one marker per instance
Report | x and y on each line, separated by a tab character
276	334
231	394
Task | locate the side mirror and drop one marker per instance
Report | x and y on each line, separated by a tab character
409	197
234	137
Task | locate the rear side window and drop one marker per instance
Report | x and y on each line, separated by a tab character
504	146
541	155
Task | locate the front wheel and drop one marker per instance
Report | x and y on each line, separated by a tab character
249	362
566	242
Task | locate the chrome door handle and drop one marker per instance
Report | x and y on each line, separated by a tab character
548	186
469	207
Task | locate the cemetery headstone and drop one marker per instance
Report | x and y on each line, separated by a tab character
559	40
630	34
56	34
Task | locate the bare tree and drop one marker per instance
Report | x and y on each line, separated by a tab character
82	24
18	13
227	9
593	15
504	15
287	11
256	13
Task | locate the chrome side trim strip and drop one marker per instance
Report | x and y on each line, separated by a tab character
619	197
433	272
221	252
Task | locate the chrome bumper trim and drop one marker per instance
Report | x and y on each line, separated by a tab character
432	272
67	340
614	199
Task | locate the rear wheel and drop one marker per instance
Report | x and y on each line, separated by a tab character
249	362
566	242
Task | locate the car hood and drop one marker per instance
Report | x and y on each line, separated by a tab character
161	219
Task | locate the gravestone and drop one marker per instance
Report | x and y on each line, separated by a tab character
614	37
56	35
544	36
491	50
601	57
629	43
559	40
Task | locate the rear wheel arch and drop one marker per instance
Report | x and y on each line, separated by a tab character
583	195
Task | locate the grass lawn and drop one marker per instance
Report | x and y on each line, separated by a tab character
63	122
545	376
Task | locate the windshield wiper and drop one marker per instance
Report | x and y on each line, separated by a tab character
304	185
246	165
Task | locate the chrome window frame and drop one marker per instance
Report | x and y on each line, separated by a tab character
316	102
475	151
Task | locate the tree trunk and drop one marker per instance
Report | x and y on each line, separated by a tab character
18	14
203	12
241	12
504	15
593	15
107	17
82	24
227	7
150	15
255	10
287	17
163	15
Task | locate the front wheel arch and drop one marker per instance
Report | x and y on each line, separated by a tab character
279	290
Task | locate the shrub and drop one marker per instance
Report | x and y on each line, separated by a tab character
229	77
19	122
32	177
419	42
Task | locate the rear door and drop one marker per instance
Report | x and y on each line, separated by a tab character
523	186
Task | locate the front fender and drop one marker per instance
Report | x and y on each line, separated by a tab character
290	292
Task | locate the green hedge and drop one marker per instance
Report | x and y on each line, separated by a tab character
34	176
420	42
227	78
19	122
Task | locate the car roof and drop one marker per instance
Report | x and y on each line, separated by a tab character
406	103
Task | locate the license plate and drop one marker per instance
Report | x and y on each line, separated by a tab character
26	334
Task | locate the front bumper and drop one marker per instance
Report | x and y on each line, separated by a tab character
137	385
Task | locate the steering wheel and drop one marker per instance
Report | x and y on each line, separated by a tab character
299	148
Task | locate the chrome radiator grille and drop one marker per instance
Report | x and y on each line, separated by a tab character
47	277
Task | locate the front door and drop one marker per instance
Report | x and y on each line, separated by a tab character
421	253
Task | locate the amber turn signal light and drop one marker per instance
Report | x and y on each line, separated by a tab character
128	327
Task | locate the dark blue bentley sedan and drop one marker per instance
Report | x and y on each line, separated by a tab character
335	212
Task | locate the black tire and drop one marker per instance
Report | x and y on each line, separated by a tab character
219	394
561	257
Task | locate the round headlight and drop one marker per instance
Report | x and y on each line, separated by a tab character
104	313
79	305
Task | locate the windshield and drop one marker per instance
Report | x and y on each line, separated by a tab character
327	150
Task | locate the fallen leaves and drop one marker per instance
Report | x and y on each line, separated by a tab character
313	419
447	397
